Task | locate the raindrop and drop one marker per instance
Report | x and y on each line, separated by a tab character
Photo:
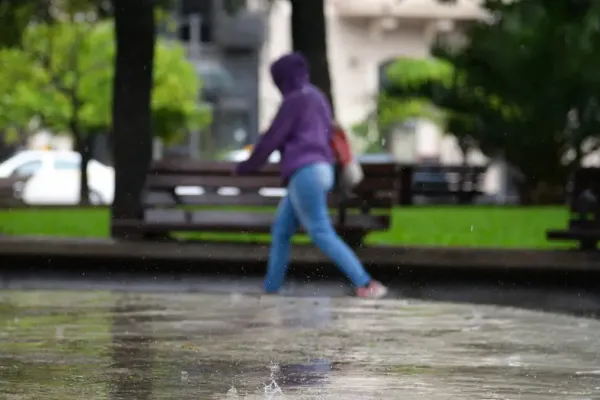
184	377
60	332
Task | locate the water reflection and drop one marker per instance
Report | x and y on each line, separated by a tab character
131	352
313	373
109	346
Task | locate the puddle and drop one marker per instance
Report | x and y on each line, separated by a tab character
114	345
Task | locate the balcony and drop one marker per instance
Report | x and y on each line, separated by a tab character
244	30
409	9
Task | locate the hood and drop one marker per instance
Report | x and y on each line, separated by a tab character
290	72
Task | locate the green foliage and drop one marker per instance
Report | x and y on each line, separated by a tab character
65	75
414	73
413	78
175	97
15	88
16	15
540	60
525	83
405	97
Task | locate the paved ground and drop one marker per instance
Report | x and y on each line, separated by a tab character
101	344
560	297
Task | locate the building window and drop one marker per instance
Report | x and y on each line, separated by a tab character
232	7
203	9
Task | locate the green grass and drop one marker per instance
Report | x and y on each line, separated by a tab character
509	227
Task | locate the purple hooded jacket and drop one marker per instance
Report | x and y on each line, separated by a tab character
302	128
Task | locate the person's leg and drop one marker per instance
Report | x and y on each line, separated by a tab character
308	190
284	227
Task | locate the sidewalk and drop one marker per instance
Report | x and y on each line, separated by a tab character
117	345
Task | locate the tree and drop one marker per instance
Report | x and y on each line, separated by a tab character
539	61
70	80
312	42
132	119
526	84
16	15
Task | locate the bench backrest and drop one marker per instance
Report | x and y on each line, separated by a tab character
459	177
177	182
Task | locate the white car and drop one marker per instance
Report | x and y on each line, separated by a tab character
55	177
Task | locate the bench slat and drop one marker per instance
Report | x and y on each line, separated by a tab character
573	234
165	199
170	181
191	167
442	192
242	182
452	169
225	221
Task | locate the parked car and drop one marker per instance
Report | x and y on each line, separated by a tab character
54	177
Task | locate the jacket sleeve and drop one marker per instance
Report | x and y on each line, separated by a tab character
274	137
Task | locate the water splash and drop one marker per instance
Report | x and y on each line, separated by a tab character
272	390
232	393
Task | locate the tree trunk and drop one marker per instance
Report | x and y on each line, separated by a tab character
309	37
132	130
85	152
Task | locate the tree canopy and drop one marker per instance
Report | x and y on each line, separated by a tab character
525	85
64	73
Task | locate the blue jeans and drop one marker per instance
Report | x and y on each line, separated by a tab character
306	204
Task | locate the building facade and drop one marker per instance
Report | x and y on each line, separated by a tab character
225	46
361	36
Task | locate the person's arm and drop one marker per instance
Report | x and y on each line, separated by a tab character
274	137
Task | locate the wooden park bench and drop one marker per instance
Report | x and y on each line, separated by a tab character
463	183
181	195
584	208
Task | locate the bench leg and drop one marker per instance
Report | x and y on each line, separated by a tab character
588	244
125	234
158	237
136	235
354	240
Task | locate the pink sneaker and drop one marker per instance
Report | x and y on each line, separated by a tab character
374	290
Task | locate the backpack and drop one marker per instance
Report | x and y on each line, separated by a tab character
350	173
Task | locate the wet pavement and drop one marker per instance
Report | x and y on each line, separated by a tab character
101	344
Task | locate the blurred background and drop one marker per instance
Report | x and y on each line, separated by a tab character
424	82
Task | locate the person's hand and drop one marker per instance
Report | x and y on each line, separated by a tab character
240	169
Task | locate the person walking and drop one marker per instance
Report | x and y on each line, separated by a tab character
301	132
